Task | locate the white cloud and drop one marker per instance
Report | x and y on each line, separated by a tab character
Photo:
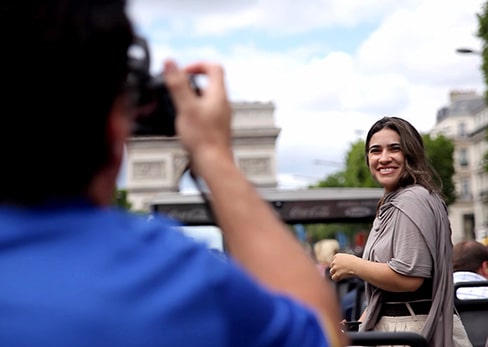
296	181
295	16
275	16
405	66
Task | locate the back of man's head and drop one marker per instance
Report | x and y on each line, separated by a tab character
469	256
63	63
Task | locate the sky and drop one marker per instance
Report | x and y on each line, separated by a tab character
331	67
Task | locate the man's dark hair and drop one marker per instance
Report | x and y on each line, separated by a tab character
63	64
469	256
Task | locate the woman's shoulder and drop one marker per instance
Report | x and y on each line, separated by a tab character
408	193
416	196
416	190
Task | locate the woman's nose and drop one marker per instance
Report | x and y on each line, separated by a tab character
384	156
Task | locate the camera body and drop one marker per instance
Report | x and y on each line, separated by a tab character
151	96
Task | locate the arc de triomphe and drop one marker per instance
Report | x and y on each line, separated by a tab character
156	164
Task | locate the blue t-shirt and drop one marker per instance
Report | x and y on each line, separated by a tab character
79	275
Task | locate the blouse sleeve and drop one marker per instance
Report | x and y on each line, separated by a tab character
411	255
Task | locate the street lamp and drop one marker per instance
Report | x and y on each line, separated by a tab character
468	51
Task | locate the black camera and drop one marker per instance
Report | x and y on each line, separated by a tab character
151	95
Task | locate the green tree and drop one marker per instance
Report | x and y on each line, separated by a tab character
483	35
440	153
120	199
356	173
485	157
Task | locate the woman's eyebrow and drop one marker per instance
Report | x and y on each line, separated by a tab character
393	144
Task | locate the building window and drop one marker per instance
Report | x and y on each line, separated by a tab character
468	227
462	129
463	157
465	193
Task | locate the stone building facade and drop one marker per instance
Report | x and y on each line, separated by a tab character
157	164
465	121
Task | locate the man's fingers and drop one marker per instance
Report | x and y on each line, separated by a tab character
202	68
214	72
178	84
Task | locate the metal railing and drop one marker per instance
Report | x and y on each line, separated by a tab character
374	338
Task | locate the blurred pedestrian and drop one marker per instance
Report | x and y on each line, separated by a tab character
470	264
324	250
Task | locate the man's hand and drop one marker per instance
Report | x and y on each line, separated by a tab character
203	121
255	236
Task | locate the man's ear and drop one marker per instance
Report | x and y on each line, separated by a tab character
484	269
119	126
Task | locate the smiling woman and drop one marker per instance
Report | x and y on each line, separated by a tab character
406	263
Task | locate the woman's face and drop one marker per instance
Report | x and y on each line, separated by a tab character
386	158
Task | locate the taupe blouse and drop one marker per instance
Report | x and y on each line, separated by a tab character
412	234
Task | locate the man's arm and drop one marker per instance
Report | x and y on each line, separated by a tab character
255	236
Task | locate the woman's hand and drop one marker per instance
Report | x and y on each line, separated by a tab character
380	275
343	266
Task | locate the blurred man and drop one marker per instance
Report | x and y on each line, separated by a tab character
470	263
77	272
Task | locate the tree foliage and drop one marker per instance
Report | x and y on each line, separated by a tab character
483	35
356	173
485	156
440	153
120	199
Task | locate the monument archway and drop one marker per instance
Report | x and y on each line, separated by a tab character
155	164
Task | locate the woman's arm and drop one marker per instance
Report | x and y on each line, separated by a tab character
363	315
377	274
